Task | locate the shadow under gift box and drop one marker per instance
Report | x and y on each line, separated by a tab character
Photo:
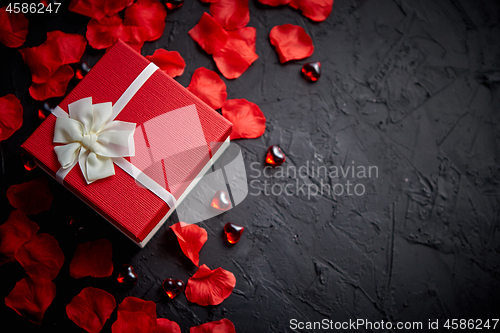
177	139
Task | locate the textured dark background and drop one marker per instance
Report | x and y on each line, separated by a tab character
411	87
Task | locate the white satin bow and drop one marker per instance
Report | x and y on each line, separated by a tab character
91	138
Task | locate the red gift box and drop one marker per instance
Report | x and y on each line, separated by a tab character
177	138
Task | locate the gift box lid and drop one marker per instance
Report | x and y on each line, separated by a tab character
177	137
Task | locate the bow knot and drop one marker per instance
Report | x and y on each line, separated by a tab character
91	138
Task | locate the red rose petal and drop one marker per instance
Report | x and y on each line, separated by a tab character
167	326
231	14
134	304
31	197
134	37
92	259
171	62
248	120
234	58
41	257
31	297
11	115
221	326
55	86
70	47
17	230
191	239
210	287
91	308
59	49
103	33
4	260
135	315
43	61
291	42
148	16
13	28
248	34
209	34
274	2
98	8
209	87
133	322
316	10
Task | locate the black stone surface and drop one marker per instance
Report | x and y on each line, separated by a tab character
411	87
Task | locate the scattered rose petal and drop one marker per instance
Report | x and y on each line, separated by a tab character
91	308
209	87
31	197
13	28
274	2
171	62
41	256
248	120
4	260
69	47
31	297
210	287
148	16
191	239
43	61
11	115
92	259
134	304
17	230
291	42
248	34
49	61
103	33
209	34
59	49
55	85
131	322
167	326
134	37
144	21
221	326
316	10
135	315
98	8
231	14
234	58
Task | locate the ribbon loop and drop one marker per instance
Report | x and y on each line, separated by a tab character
92	139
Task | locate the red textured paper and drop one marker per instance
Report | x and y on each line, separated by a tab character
130	207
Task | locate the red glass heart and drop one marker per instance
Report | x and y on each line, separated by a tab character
311	71
44	111
41	114
79	74
82	70
233	232
173	287
127	276
221	201
275	156
28	162
173	4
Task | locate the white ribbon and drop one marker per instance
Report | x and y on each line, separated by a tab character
98	166
92	139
